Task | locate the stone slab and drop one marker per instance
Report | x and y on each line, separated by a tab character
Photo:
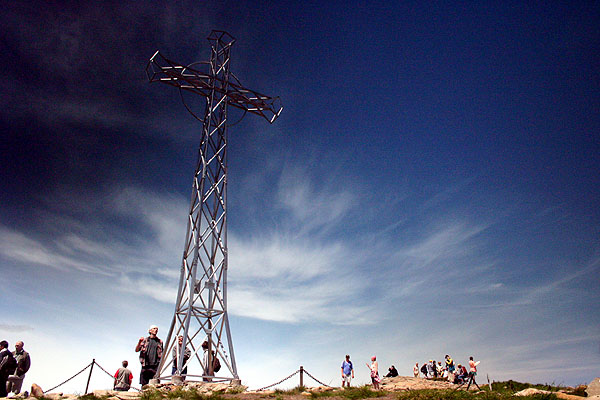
593	389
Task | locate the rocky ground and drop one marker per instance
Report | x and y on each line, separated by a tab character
229	391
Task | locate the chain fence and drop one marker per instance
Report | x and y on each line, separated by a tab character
277	383
315	379
86	367
62	383
301	371
90	365
109	374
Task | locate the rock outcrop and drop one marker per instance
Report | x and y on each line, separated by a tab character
560	395
593	389
401	383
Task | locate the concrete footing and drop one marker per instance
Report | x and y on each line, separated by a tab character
177	380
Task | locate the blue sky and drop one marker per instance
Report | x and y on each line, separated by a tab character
430	187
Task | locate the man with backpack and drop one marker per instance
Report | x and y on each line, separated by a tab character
216	364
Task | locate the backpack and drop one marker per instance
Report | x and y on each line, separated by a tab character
216	363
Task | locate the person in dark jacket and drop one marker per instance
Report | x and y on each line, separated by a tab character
392	372
15	381
150	349
8	364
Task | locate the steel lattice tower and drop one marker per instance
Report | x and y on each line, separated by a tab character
201	305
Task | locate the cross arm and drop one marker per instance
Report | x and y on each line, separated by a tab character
161	69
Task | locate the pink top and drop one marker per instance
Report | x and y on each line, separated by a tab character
473	366
374	368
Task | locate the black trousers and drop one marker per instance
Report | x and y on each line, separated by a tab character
147	373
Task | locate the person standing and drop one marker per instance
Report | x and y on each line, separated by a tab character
150	349
430	369
186	356
15	381
450	368
208	371
123	378
7	366
472	372
416	370
347	371
424	369
374	367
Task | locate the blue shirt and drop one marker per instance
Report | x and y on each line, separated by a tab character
347	367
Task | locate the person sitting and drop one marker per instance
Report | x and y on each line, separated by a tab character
461	374
392	372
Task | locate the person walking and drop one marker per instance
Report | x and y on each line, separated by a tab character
374	367
123	378
15	381
473	372
150	349
347	371
416	370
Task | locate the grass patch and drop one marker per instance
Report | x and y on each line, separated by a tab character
236	390
511	387
151	394
351	393
578	391
435	394
91	396
361	392
297	390
178	393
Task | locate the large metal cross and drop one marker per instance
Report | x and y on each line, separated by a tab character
201	307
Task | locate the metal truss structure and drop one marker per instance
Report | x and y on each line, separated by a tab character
201	305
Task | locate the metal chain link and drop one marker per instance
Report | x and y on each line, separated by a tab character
258	390
60	384
109	374
105	371
308	373
277	383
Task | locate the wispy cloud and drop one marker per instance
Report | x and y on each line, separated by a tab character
293	280
18	246
15	328
80	241
148	286
312	208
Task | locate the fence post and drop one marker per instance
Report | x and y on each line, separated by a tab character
301	375
90	375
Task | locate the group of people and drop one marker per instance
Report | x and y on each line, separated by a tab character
348	372
13	367
151	352
455	373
